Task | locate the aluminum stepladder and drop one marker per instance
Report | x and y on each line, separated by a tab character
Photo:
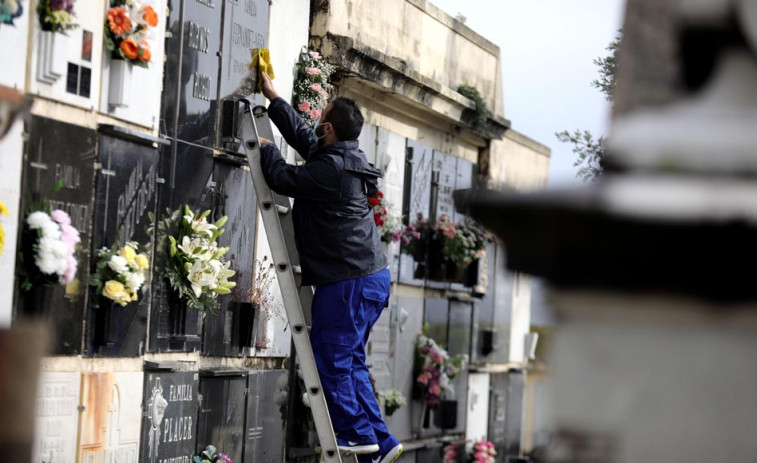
275	211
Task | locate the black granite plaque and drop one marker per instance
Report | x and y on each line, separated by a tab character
222	412
169	422
192	67
264	425
460	325
186	177
513	418
416	200
436	314
63	154
125	194
245	27
234	197
503	305
486	339
497	411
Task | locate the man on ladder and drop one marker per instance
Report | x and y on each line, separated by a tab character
341	255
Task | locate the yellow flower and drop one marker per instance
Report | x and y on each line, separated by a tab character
128	253
142	261
2	239
3	209
115	290
134	296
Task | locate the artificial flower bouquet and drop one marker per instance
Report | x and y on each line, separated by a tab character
393	400
47	250
120	273
311	86
211	455
388	224
434	369
465	452
462	242
128	30
195	266
56	15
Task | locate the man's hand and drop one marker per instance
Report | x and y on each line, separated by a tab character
268	90
264	141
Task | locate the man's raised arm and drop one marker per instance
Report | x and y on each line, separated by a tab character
294	130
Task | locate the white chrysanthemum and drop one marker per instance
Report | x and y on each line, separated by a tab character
61	265
51	229
46	262
118	264
134	281
58	248
37	219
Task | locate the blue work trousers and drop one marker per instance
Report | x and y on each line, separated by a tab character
343	315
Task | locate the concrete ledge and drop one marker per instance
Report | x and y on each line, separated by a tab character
357	60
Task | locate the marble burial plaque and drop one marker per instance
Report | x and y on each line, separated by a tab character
61	154
409	324
265	421
125	194
169	419
234	197
245	27
484	319
444	177
222	412
57	417
416	199
111	417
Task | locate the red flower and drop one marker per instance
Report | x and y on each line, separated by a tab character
373	202
380	194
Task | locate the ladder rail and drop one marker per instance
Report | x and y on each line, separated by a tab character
270	209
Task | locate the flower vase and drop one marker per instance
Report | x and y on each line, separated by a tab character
52	56
104	334
119	88
245	311
445	417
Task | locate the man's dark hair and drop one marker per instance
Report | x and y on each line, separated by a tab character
346	119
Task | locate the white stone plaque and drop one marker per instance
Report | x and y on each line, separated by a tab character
57	418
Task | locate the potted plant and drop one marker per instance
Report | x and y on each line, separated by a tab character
481	451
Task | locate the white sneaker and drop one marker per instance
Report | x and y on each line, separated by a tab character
350	447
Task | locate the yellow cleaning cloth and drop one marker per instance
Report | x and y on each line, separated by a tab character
261	59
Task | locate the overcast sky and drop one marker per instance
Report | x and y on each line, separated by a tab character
547	49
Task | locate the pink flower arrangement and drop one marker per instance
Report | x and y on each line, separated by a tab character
479	451
434	369
51	241
311	87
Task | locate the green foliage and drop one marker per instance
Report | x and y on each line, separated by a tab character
608	68
481	113
589	151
